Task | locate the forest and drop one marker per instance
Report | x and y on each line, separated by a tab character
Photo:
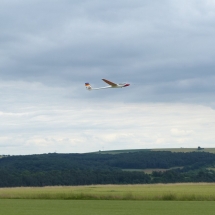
95	168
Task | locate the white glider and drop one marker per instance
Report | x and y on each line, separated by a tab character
111	85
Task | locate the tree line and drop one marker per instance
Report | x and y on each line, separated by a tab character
91	168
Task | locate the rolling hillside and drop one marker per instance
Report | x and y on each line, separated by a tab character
185	150
113	167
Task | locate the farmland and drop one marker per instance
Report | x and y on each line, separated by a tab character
185	150
121	167
163	199
177	192
106	207
143	167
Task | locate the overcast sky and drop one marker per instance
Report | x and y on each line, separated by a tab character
49	49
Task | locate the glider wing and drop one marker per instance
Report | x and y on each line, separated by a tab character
110	83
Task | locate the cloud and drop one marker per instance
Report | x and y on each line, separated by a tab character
181	133
42	124
50	49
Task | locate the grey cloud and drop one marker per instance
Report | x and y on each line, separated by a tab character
49	49
155	44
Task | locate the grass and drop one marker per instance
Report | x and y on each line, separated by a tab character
121	151
158	192
56	207
210	150
149	171
211	168
168	199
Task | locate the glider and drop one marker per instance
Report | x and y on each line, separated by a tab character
111	85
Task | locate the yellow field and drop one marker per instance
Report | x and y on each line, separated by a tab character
182	192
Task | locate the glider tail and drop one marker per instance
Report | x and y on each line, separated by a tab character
88	86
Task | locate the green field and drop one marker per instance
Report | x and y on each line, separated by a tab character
163	199
104	207
210	150
177	192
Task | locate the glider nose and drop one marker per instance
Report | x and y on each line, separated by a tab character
126	85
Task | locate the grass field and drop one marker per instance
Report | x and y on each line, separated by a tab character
105	207
176	192
177	199
149	171
210	150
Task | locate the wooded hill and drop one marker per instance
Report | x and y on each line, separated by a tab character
95	168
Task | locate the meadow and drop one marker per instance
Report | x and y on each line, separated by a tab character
163	199
210	150
185	150
156	192
104	207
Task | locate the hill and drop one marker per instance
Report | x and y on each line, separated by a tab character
185	150
124	167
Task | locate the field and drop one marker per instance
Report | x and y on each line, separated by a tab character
149	171
210	150
176	192
192	199
104	207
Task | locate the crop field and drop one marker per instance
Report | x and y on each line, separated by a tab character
164	199
176	192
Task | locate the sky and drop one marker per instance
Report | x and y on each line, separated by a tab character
49	49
